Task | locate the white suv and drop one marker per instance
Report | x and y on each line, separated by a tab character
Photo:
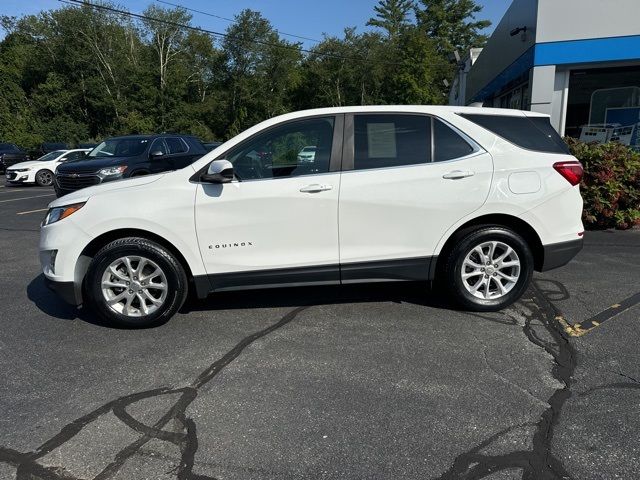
476	199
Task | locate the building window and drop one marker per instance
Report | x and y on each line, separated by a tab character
603	104
516	98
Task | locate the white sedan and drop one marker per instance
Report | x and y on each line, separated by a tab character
307	154
41	171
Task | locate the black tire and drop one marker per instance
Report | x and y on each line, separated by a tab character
44	178
177	283
454	264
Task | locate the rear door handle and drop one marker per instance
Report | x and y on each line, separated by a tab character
457	174
315	188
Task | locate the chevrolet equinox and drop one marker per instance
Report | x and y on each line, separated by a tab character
473	198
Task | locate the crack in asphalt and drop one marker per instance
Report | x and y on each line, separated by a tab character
185	438
539	463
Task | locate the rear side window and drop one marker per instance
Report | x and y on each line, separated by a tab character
448	144
391	141
175	145
531	133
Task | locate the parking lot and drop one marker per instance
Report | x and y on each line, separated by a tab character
381	381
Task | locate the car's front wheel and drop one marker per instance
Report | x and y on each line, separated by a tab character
489	269
44	178
135	282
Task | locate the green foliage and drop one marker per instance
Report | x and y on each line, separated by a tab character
391	16
611	184
452	24
79	73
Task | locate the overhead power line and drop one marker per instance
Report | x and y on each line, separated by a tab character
209	14
213	33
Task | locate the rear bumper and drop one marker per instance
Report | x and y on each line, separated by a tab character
559	254
65	290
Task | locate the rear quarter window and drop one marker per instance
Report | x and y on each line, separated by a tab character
531	133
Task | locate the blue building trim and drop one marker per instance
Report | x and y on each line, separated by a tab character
592	50
588	51
518	68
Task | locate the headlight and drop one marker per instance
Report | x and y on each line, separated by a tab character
20	169
113	170
58	213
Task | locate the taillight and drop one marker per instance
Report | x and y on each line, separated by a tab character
571	171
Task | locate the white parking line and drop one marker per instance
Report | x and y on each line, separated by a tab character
27	198
33	211
12	190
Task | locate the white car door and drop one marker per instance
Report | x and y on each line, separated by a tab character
407	178
278	222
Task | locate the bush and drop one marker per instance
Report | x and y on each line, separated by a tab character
611	184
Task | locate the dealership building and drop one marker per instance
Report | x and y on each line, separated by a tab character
576	60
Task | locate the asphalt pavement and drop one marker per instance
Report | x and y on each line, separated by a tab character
379	381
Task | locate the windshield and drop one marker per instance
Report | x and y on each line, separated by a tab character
120	147
51	156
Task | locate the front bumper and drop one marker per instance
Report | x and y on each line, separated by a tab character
559	254
65	274
65	290
17	177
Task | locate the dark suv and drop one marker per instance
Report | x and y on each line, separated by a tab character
10	155
129	156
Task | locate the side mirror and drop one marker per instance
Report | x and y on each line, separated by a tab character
219	171
156	154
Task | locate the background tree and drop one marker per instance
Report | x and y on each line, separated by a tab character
77	74
452	24
392	16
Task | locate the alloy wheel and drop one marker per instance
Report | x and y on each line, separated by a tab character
45	178
134	286
490	270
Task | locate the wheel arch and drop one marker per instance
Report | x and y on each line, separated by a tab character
90	250
497	219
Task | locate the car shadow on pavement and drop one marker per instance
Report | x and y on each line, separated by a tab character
396	292
401	292
50	304
553	290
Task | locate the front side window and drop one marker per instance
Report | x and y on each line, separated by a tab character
448	145
175	145
382	141
280	152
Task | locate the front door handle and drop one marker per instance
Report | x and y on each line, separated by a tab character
458	174
315	188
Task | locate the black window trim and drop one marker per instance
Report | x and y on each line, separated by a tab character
348	153
335	162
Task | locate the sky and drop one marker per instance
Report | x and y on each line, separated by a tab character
304	18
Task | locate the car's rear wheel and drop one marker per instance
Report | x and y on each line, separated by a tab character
135	282
44	178
489	269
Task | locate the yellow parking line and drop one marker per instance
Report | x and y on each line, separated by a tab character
584	327
27	198
33	211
